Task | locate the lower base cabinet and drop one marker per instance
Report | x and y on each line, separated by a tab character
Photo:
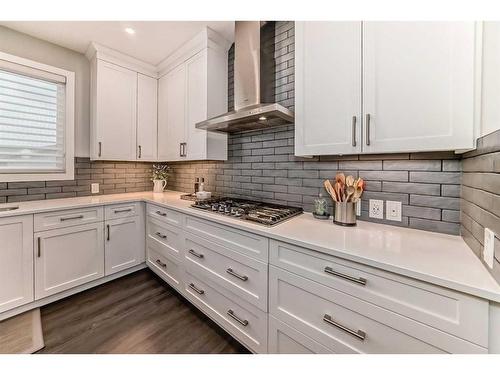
16	261
242	320
68	257
170	271
125	244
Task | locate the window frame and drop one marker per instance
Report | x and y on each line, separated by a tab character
69	126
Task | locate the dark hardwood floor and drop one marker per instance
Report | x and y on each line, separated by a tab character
137	313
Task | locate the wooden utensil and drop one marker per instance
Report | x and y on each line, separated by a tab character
330	190
349	181
350	190
340	177
339	191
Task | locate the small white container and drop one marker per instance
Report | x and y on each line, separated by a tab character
202	195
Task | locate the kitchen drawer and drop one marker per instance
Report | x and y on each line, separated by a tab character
164	267
238	273
119	211
344	323
284	339
164	238
67	218
244	321
459	314
244	242
164	214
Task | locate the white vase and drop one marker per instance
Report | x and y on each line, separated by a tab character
159	186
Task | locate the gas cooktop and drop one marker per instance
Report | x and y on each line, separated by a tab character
259	212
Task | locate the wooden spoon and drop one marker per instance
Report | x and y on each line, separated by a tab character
330	190
349	181
340	177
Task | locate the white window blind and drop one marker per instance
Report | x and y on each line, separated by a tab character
32	121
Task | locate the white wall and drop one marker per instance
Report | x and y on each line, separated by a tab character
35	49
490	114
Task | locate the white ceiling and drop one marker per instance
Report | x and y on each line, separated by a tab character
152	41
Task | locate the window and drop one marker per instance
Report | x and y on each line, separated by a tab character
36	121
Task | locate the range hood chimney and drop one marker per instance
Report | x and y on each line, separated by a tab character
254	66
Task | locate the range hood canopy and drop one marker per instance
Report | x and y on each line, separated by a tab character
254	67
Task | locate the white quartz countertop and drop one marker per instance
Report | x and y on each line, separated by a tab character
436	258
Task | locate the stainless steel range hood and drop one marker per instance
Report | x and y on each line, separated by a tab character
254	66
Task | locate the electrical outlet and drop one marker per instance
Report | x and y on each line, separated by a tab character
489	247
358	208
393	210
376	208
94	188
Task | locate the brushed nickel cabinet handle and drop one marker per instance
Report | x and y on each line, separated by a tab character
180	150
359	280
99	153
184	147
161	213
354	131
71	218
197	255
39	247
107	230
140	152
121	211
161	264
368	118
232	273
243	322
199	291
358	334
160	235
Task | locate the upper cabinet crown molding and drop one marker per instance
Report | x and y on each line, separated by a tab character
208	38
98	51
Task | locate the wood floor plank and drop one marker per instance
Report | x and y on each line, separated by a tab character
137	313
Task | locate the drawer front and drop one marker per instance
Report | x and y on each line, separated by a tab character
240	274
164	267
343	323
164	214
284	339
244	242
242	320
164	238
458	314
119	211
67	218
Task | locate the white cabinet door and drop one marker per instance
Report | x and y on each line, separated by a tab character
147	119
68	257
196	106
125	244
115	113
16	261
418	86
171	115
327	88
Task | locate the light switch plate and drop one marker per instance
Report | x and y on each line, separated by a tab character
393	210
489	247
358	208
376	208
94	188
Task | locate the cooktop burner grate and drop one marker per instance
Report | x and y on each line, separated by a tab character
260	212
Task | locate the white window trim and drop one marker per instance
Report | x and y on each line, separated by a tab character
69	173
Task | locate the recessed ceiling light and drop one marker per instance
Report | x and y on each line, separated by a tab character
262	118
129	30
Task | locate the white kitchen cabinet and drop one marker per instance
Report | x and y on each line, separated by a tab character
416	81
327	88
114	112
125	244
147	119
68	257
172	115
193	88
418	86
16	261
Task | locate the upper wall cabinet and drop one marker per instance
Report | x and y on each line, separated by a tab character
416	81
193	88
124	94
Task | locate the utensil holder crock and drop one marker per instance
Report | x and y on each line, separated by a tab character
345	214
